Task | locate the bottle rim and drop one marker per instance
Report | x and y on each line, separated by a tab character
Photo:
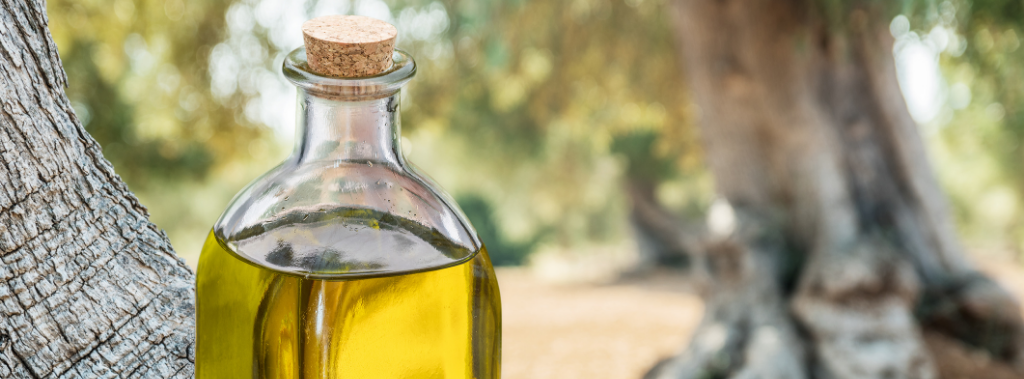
296	70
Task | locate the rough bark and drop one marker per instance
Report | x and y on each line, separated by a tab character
88	286
835	239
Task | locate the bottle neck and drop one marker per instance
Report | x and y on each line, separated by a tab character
337	130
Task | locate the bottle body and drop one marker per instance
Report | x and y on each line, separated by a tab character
345	261
442	323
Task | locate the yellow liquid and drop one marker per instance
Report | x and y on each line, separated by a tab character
258	323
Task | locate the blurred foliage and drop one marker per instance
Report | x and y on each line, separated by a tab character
139	81
536	97
502	251
532	113
975	137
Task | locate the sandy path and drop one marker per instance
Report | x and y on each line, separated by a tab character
592	331
619	331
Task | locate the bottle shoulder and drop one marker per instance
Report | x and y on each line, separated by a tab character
345	219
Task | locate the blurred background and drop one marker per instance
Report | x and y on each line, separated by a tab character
537	116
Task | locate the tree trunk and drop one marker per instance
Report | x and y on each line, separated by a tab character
88	286
831	251
664	240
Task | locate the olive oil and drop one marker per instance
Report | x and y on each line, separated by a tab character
441	323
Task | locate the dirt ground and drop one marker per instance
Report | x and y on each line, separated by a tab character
620	330
592	331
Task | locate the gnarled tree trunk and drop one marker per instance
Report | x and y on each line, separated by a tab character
832	251
88	286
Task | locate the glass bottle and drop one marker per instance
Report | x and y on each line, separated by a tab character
345	261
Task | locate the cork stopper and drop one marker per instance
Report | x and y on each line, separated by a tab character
348	46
